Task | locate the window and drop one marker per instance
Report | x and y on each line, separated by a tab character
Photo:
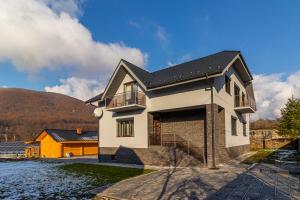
244	128
237	101
130	90
243	99
125	128
233	126
227	84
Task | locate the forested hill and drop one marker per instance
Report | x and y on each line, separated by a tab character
24	113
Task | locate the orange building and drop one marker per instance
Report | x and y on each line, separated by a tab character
56	143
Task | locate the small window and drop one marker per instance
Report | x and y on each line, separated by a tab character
227	84
244	128
233	126
125	128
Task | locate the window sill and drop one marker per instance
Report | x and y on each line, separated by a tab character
124	136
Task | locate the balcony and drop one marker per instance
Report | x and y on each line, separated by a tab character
244	104
126	101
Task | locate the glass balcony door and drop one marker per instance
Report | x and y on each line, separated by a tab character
130	90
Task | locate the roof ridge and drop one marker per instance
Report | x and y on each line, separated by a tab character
166	68
135	66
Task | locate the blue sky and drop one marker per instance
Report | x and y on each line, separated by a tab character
267	32
164	32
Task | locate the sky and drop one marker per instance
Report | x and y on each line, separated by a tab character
72	46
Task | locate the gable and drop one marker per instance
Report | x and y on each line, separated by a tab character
241	69
41	136
121	74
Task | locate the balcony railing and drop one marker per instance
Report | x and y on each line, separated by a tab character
126	99
241	102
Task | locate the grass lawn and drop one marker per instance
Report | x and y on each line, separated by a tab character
263	155
102	175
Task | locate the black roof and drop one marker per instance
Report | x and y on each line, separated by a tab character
198	68
71	135
12	147
209	65
95	98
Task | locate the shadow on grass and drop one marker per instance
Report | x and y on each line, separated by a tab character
102	175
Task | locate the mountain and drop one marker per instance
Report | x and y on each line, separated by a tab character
264	124
25	113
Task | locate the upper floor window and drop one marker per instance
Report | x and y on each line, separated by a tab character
244	128
130	87
227	84
233	126
130	90
237	100
125	127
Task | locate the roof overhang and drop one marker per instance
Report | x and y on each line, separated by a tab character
78	141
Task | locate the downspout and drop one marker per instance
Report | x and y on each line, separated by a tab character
212	110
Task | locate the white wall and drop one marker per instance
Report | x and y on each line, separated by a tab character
227	101
108	126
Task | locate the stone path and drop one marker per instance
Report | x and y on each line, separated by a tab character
229	182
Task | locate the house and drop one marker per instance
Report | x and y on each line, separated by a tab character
32	150
12	149
200	107
56	143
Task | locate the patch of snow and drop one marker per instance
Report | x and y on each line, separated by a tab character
36	180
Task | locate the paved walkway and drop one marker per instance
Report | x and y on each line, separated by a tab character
229	182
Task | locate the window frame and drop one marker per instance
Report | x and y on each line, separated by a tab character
234	128
228	84
125	127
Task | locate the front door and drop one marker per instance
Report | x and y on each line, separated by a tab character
156	137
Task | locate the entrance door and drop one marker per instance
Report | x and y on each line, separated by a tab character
156	137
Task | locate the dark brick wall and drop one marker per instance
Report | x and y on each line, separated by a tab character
187	129
223	154
226	154
154	155
188	125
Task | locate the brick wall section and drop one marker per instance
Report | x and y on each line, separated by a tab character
274	143
188	129
209	134
154	155
223	154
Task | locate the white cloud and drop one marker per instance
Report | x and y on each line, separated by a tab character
156	31
161	34
182	59
39	34
272	92
79	88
